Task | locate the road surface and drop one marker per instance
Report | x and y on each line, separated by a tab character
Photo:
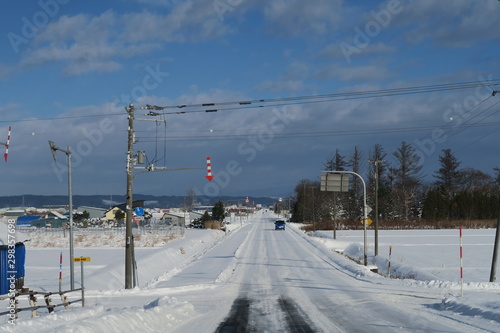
264	280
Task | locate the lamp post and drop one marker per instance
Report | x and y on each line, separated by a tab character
326	186
53	149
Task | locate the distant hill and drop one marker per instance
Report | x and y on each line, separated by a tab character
106	201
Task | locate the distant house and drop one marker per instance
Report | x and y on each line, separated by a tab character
174	219
94	212
195	215
110	213
14	212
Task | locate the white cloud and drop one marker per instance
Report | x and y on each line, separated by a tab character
359	73
292	79
87	43
297	17
334	50
451	23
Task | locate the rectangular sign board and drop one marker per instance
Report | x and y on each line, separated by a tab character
81	259
335	182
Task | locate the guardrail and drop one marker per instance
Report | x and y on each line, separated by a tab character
14	309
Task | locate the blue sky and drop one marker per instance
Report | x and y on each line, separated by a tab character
68	69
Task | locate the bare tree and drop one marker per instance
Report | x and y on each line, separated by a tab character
189	199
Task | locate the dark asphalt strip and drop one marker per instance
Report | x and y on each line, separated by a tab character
238	319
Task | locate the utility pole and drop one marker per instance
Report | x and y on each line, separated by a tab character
493	272
304	202
313	212
130	267
129	238
53	149
376	176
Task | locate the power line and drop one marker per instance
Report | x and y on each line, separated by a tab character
278	102
286	101
305	134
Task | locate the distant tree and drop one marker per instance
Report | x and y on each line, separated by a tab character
189	199
206	217
119	215
336	162
218	211
497	175
378	165
448	177
302	210
407	178
354	202
435	205
474	179
81	216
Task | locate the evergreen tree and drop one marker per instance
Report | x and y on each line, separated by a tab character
434	205
377	159
336	162
448	175
355	207
407	179
218	211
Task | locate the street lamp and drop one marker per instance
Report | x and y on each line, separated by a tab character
53	149
325	184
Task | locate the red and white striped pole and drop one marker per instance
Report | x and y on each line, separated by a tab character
461	265
389	264
209	175
6	155
60	272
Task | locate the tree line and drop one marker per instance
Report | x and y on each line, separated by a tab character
398	187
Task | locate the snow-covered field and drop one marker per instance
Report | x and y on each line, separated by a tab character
189	284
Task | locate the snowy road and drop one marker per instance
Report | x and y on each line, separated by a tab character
280	281
255	279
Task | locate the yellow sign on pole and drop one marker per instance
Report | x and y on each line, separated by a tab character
368	221
81	259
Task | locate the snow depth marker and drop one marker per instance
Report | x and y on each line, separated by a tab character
461	266
209	170
6	155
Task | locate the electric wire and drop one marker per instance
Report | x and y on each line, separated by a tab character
329	97
285	101
308	134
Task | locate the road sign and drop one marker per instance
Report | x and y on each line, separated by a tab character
81	259
368	209
335	182
368	221
139	211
